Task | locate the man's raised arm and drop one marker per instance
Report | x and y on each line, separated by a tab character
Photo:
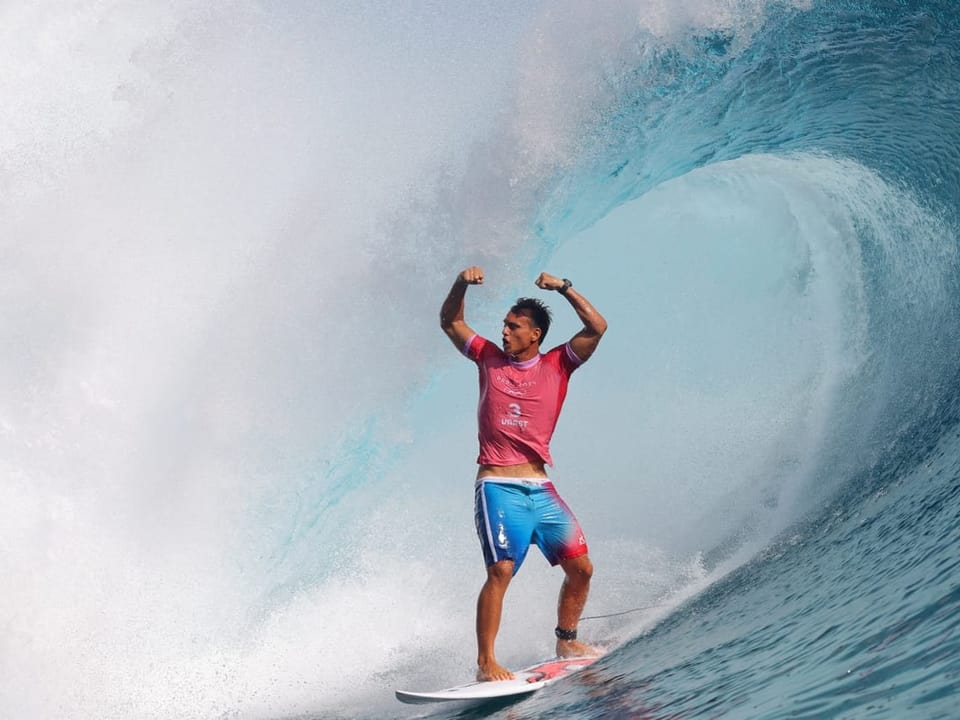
594	325
451	312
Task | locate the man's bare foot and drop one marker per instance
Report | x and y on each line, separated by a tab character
492	670
575	648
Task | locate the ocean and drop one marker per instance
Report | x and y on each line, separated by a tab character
237	452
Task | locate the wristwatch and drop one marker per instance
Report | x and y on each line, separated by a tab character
566	286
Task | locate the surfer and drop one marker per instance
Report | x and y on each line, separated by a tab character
521	394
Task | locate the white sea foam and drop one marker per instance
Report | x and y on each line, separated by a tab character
235	446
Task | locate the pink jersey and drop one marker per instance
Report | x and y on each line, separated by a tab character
520	402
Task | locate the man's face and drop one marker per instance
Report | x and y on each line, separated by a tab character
520	336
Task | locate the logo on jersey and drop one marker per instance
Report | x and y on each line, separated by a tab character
514	416
512	386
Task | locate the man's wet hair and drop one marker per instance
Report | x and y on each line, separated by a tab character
537	311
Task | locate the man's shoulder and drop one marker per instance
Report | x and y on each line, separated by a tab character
563	358
480	348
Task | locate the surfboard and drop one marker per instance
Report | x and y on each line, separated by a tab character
524	682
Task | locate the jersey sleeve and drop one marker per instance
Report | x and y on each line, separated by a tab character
474	347
569	359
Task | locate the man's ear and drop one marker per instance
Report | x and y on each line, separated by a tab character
537	334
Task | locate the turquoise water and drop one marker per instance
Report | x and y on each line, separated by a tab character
237	449
847	112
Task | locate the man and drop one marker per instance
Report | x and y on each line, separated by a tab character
521	395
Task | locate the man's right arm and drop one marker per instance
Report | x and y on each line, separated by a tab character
451	312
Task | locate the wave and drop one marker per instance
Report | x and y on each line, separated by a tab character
232	433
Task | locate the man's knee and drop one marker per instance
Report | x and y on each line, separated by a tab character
579	569
500	572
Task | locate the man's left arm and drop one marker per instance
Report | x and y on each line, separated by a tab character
594	325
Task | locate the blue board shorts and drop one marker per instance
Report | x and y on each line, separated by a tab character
511	515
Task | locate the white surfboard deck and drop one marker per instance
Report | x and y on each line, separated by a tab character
524	682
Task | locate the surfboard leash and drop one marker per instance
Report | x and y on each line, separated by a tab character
623	612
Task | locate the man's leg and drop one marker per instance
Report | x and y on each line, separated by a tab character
573	596
489	608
